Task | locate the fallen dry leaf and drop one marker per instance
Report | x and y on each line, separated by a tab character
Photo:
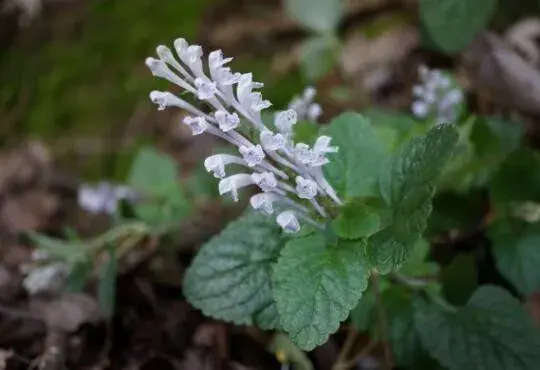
5	354
523	36
508	80
371	62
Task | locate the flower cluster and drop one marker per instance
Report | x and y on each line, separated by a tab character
104	197
288	174
305	106
436	97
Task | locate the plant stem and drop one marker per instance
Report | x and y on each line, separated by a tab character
352	362
382	320
347	346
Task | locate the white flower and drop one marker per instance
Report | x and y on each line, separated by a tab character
244	89
160	69
263	202
232	183
227	121
322	145
265	180
104	197
197	124
216	163
314	111
258	103
230	105
435	97
253	155
306	188
288	222
272	142
205	89
285	120
303	153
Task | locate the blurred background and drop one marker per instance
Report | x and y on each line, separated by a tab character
74	110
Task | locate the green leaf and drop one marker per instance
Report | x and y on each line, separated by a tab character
418	264
354	170
306	132
168	204
452	24
229	278
107	284
318	15
316	286
404	339
151	170
79	276
407	184
362	316
516	250
317	56
491	332
72	252
518	178
460	279
495	137
356	220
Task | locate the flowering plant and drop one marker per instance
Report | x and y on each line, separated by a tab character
347	205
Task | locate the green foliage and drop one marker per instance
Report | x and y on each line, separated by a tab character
318	56
452	24
460	279
230	278
107	284
517	179
355	221
354	170
407	184
320	16
404	340
154	174
491	332
316	286
516	250
56	249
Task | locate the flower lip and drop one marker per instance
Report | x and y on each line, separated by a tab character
253	155
288	222
306	188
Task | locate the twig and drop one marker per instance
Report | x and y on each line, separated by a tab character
352	362
347	346
382	320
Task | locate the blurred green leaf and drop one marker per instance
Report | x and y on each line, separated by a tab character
152	170
492	331
107	284
71	252
516	248
517	179
79	276
317	15
460	279
356	220
418	264
452	24
317	57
